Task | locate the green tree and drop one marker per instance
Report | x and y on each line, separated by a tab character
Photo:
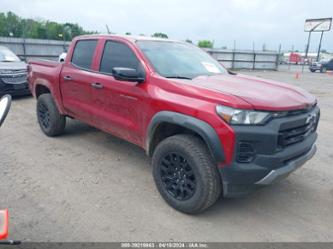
160	35
37	28
205	44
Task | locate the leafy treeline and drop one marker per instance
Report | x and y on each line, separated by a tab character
15	26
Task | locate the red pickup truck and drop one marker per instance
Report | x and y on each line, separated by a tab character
209	131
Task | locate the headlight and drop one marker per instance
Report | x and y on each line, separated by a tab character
242	117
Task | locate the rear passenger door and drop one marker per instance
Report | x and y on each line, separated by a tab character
75	81
119	105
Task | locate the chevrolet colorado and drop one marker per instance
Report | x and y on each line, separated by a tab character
209	131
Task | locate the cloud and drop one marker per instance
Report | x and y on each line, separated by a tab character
261	21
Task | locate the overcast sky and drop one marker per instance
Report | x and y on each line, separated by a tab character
245	21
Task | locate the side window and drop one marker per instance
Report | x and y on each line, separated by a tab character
117	54
83	53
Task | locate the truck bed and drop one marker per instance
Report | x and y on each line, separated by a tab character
43	71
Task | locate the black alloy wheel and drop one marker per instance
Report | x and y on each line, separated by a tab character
177	176
44	115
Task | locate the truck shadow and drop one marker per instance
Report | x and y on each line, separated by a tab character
21	98
76	128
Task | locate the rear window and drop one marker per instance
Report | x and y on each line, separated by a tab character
83	53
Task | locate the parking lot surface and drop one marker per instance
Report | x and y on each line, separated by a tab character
90	186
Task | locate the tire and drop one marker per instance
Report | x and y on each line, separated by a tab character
50	120
312	70
199	187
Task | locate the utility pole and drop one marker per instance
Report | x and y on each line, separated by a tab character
307	46
321	38
107	29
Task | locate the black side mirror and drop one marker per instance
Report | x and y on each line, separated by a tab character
4	107
128	74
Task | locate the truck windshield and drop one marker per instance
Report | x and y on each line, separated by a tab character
7	56
179	60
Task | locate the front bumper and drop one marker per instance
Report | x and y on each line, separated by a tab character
280	173
14	89
272	160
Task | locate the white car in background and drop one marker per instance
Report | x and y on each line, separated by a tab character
62	57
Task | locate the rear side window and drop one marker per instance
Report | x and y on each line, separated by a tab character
117	54
83	53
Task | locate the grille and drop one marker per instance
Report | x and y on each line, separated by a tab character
15	80
13	72
297	134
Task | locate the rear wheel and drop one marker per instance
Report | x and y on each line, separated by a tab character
50	120
185	174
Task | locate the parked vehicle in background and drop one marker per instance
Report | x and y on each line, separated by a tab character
321	66
13	74
62	57
209	131
295	58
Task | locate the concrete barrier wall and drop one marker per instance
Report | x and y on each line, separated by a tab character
34	48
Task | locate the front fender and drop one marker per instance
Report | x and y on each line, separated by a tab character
203	129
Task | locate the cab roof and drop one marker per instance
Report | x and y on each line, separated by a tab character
131	38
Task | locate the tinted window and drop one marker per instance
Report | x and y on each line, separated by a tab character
83	53
117	54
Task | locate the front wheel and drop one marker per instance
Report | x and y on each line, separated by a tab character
185	174
50	120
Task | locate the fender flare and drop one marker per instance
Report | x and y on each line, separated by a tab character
198	126
55	94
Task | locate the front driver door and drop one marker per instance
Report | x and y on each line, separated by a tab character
119	105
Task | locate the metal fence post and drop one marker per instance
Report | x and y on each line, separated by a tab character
233	60
24	49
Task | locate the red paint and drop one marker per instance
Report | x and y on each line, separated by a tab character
3	224
295	58
126	108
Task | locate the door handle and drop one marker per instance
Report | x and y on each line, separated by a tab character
97	85
68	78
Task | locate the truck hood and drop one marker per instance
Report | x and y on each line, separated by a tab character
19	65
262	94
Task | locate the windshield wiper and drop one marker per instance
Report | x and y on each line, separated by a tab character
178	77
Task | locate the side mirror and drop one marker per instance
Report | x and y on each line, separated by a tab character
3	224
128	74
5	103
